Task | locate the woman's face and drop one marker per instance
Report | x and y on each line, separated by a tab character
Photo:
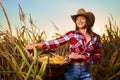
81	22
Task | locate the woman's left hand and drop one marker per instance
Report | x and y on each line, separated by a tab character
73	56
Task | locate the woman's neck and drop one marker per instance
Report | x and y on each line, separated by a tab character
83	31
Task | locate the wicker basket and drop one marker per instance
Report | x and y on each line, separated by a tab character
53	71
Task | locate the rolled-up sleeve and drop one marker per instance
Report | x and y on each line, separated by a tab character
52	44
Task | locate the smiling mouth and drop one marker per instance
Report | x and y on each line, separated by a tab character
80	23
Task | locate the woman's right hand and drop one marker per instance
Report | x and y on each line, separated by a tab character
30	47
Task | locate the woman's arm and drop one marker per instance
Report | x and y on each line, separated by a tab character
52	44
32	46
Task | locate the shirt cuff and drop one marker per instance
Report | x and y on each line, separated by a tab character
44	46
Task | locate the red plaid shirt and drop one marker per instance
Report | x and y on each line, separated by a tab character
78	45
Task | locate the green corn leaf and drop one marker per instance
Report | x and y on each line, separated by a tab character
43	67
30	69
14	61
23	56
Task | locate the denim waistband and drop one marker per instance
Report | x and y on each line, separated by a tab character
78	66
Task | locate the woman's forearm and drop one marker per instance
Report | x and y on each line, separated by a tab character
38	45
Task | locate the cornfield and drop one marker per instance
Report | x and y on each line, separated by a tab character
15	65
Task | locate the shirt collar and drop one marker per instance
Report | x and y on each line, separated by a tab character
92	34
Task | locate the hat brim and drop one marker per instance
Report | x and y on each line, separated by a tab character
75	16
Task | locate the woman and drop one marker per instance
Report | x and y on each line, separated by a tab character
84	46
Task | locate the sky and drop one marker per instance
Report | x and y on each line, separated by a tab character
46	12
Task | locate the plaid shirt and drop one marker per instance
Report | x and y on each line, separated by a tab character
78	45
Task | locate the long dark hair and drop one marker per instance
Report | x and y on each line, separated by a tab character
88	26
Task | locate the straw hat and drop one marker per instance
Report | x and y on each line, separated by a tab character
88	15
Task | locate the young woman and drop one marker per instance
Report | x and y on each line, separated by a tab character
84	46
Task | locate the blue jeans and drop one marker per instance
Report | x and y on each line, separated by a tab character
77	72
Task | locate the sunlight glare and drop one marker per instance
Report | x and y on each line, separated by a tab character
97	29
